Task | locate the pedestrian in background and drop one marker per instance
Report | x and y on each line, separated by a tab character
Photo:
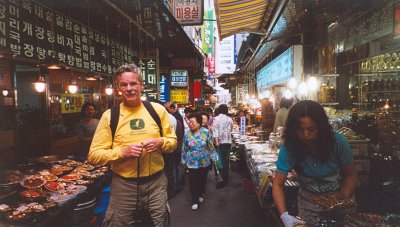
222	129
85	129
197	152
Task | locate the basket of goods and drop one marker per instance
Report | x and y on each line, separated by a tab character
70	177
54	186
59	199
70	193
72	163
78	188
33	194
85	167
32	182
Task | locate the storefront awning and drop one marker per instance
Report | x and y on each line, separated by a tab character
235	16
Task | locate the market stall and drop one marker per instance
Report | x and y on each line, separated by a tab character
50	191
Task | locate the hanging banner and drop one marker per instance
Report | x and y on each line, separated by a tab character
197	89
164	88
148	67
188	12
207	33
225	55
179	78
179	96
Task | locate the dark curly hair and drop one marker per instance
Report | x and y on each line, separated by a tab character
325	138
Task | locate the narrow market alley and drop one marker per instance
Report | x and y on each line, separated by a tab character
229	206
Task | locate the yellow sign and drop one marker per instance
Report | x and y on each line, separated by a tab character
72	103
179	96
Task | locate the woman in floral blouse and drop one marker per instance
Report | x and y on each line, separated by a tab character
197	151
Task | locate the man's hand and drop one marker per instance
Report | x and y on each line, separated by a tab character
289	221
153	144
134	150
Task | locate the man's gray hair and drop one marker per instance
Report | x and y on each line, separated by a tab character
130	68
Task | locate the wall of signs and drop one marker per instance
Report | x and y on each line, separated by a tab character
179	78
31	30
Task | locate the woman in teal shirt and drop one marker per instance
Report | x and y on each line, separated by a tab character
321	158
197	151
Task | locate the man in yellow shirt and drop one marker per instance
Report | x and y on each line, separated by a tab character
134	153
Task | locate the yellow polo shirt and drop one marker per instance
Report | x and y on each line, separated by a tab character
135	125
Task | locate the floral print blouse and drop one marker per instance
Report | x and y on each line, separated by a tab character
222	128
198	149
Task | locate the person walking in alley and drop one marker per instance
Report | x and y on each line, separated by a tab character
135	154
197	153
85	129
222	128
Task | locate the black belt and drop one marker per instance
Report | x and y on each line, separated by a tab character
141	179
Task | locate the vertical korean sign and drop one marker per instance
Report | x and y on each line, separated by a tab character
148	67
211	65
188	12
207	32
164	88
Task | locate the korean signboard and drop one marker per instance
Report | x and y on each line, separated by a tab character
207	33
164	88
179	78
31	30
72	103
211	65
188	12
148	67
179	96
281	69
226	56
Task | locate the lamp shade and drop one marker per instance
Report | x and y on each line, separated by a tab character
73	88
40	85
109	90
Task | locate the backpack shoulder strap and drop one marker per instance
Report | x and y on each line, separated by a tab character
114	120
154	115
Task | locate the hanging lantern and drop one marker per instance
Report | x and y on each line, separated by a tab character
73	88
40	85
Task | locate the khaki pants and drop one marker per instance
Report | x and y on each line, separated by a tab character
122	210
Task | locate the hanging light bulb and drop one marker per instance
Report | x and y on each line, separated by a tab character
288	94
109	90
143	97
292	83
302	88
5	92
40	85
312	83
73	88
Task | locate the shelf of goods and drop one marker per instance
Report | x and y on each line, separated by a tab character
373	91
261	159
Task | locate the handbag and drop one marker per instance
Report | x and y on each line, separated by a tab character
219	164
218	177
